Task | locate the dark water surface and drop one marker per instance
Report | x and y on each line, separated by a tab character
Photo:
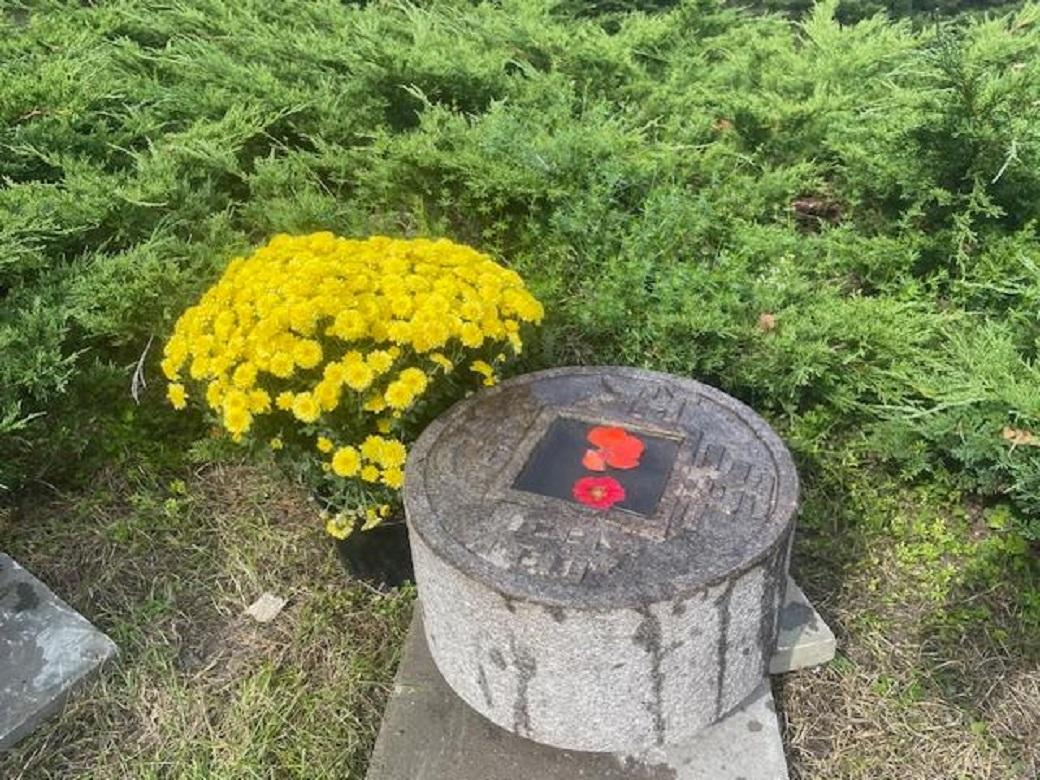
555	465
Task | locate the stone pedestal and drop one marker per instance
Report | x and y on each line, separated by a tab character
620	616
46	649
429	732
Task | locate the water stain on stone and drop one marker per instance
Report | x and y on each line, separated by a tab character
754	725
722	604
796	614
27	598
648	636
679	608
497	658
482	681
526	667
556	613
773	593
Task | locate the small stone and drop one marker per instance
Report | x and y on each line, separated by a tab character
266	608
804	639
46	650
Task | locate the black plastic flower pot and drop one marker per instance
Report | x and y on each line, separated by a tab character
381	556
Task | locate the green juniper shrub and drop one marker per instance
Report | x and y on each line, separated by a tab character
852	11
848	11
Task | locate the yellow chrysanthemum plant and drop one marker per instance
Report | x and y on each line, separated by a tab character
342	350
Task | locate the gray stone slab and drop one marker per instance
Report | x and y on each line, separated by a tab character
429	733
46	649
745	745
804	639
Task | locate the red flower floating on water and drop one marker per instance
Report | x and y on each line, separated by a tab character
598	492
616	448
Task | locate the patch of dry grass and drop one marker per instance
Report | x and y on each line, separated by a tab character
199	689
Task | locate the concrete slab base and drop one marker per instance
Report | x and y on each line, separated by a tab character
429	733
46	649
746	744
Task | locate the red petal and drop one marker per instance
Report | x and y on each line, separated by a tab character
616	492
618	460
598	492
618	448
630	445
593	461
606	436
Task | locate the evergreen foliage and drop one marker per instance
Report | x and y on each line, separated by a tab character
662	182
850	11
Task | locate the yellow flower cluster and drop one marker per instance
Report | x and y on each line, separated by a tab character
342	524
377	460
340	334
485	370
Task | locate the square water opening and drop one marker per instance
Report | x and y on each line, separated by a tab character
559	461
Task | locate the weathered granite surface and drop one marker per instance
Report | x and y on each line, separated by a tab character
804	639
601	630
428	733
46	649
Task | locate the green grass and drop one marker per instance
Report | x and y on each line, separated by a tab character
937	675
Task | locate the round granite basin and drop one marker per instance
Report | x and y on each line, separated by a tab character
610	601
